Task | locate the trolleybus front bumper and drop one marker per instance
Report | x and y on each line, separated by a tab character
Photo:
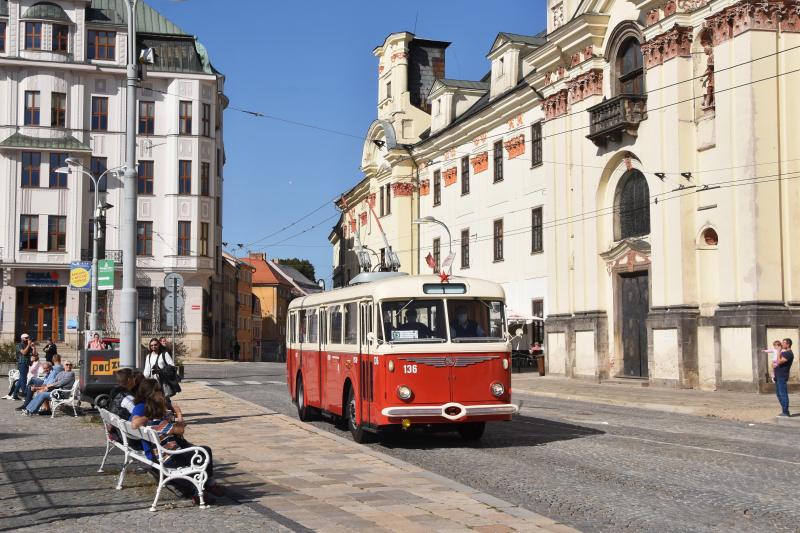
450	411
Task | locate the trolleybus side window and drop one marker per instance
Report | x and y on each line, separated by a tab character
290	327
323	327
302	323
476	320
351	323
335	314
366	322
311	329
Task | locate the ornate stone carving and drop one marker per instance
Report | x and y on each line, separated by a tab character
586	85
708	75
653	16
673	43
558	15
760	15
352	225
407	189
670	8
575	60
515	146
548	76
690	5
480	162
371	200
362	217
556	104
450	176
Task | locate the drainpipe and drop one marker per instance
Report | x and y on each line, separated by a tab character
783	193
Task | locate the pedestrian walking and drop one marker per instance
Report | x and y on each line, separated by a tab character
50	350
236	350
783	365
159	365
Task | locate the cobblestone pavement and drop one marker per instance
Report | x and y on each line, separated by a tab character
49	482
595	467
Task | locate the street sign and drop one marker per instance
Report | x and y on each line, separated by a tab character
80	276
173	281
174	302
105	274
172	319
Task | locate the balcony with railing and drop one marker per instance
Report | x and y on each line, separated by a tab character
116	255
612	118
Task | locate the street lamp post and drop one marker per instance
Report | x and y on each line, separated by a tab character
98	209
128	340
431	220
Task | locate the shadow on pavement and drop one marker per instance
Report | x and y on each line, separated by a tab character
523	431
223	419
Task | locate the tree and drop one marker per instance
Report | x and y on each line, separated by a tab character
304	266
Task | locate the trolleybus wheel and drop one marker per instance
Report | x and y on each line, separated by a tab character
102	401
360	435
472	430
304	412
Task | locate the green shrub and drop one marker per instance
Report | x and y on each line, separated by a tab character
8	352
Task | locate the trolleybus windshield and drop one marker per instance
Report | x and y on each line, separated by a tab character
423	320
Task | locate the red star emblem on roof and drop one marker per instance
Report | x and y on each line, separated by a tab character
444	276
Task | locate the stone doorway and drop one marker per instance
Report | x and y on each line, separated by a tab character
634	307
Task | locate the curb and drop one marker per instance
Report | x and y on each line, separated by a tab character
503	505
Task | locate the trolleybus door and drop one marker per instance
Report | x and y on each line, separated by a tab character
367	366
311	357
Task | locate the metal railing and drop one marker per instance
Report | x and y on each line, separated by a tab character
609	119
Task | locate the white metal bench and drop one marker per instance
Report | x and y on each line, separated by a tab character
70	397
195	473
13	375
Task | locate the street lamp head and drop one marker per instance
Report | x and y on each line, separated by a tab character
105	205
425	220
62	170
73	161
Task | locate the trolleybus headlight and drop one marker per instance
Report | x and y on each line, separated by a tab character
505	363
403	392
498	389
391	366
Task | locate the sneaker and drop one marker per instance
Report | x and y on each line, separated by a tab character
20	408
45	413
7	397
783	415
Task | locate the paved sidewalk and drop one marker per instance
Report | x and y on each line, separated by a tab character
326	483
741	406
49	482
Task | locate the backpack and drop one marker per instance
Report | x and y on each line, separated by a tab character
115	406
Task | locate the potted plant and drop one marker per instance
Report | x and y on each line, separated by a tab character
8	357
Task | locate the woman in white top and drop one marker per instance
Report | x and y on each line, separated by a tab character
156	358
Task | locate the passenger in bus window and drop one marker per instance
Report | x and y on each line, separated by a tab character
464	326
412	324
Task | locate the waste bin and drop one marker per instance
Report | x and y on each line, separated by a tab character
540	363
97	375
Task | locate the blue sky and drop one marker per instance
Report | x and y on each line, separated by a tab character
311	62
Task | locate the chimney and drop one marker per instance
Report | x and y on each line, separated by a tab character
257	255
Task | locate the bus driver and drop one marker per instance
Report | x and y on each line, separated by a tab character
412	324
464	326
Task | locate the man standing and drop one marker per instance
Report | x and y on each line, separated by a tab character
50	350
782	366
63	380
24	351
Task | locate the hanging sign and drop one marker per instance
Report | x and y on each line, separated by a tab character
105	274
80	276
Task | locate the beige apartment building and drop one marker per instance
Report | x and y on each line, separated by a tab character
632	166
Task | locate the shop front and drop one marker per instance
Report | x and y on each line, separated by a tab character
41	301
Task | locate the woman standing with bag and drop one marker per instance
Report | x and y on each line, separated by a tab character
159	365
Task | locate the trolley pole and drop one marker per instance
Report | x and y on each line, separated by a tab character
128	341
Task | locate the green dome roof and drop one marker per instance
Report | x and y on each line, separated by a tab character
46	11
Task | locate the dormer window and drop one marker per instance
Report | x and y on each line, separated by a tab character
60	38
33	35
102	45
500	67
437	107
388	89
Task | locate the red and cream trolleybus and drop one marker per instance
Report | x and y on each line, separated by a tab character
393	350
